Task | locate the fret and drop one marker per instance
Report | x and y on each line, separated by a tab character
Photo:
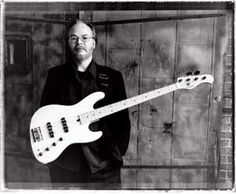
124	104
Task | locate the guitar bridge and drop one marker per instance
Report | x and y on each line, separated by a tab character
37	134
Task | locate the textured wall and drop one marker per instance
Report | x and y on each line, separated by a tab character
23	91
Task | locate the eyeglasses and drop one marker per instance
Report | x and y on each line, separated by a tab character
84	38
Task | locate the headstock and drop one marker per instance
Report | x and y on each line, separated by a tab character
192	81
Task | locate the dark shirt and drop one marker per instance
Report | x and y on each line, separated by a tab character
67	86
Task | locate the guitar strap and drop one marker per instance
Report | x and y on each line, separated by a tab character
103	79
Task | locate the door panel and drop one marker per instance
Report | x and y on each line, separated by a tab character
158	50
191	108
129	178
153	178
190	134
199	95
189	179
154	148
198	31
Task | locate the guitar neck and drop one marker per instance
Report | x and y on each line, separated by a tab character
104	111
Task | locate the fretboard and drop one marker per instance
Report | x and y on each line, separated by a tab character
104	111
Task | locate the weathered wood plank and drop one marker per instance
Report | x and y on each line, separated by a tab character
154	147
190	134
199	95
153	178
191	179
198	31
158	50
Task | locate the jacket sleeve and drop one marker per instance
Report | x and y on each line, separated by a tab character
120	121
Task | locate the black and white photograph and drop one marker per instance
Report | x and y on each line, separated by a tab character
117	95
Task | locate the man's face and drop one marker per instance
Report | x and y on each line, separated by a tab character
81	41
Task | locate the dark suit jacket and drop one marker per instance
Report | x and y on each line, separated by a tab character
61	88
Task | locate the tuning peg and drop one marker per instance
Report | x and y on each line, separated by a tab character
196	72
189	73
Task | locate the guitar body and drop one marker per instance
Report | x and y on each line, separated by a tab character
54	127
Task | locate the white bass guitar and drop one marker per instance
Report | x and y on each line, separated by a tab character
54	127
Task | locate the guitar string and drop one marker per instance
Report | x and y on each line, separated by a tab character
92	115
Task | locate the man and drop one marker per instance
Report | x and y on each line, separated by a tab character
99	162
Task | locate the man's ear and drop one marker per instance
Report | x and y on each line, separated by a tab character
94	44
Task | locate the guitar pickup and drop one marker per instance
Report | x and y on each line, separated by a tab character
36	134
64	124
50	131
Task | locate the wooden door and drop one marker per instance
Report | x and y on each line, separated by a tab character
171	143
